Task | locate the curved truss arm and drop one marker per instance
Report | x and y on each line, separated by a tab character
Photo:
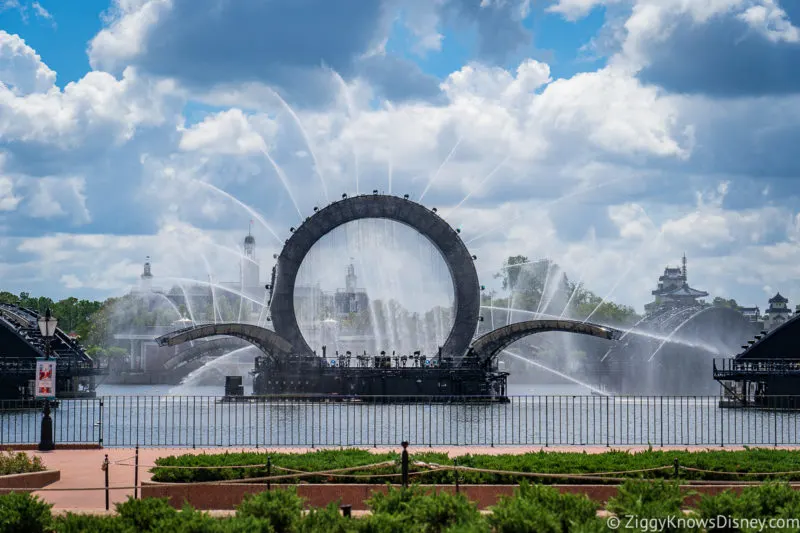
488	346
266	340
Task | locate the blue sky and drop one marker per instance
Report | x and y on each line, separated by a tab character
609	135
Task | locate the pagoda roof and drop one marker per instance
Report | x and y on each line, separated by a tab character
686	291
778	299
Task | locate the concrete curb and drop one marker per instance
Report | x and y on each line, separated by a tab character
29	480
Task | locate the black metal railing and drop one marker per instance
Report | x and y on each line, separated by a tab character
206	421
756	367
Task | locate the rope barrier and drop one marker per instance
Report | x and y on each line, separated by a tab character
790	472
210	467
522	474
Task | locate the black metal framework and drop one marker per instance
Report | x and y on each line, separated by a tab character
21	343
758	382
455	254
488	346
399	377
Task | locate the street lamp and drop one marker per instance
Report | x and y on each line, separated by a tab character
47	327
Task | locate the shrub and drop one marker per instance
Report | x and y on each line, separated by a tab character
651	500
245	524
19	463
385	523
189	520
395	501
542	509
327	519
145	514
774	499
88	523
427	512
281	508
21	512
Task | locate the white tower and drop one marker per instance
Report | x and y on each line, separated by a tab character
147	276
350	279
250	268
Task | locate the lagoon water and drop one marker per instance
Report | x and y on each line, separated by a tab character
537	415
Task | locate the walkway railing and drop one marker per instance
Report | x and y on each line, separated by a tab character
206	421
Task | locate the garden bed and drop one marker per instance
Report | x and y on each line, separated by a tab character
28	480
609	468
20	471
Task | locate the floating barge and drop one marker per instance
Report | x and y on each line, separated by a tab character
368	379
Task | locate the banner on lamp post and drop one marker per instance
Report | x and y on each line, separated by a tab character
45	378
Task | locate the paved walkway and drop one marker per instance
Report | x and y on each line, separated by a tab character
83	468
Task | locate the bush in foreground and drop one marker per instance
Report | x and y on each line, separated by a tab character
532	508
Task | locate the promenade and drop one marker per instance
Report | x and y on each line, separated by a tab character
83	468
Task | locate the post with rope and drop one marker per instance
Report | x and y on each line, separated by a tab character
136	474
269	472
404	464
455	471
105	469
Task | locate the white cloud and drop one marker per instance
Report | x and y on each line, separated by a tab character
558	135
21	68
60	197
8	200
114	46
227	132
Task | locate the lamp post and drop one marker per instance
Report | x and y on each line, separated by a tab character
47	327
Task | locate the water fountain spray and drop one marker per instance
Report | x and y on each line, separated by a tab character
438	170
303	132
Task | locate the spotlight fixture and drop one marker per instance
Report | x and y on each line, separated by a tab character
405	196
316	209
434	209
458	230
483	287
274	256
268	287
474	257
344	196
291	229
480	319
374	191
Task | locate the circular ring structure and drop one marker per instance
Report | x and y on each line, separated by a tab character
439	233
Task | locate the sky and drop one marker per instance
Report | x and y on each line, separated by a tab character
611	136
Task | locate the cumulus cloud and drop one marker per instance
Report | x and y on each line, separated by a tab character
607	172
290	46
21	68
8	200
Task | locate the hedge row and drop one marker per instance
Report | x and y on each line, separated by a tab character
719	462
533	508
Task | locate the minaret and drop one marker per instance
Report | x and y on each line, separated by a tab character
685	279
147	276
250	243
250	267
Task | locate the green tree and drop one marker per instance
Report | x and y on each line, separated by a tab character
722	302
